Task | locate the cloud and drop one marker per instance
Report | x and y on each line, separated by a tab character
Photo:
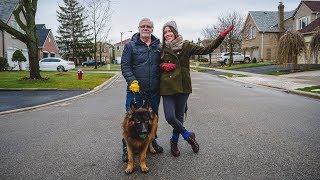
191	16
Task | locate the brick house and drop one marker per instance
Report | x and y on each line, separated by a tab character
46	42
8	43
261	32
104	51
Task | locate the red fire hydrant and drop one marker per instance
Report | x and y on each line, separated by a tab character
80	73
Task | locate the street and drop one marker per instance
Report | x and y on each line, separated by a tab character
244	131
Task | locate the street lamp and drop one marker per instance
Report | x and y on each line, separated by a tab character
121	37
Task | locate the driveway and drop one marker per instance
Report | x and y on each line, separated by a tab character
20	99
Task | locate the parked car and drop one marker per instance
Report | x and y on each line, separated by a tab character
237	58
55	64
92	63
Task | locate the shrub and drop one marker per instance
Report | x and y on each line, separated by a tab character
254	60
3	64
18	56
203	60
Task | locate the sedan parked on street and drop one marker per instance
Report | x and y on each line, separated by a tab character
237	58
92	63
55	64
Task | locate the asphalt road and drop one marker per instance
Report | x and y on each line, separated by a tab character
20	99
244	132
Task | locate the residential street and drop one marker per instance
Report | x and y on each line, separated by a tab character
244	132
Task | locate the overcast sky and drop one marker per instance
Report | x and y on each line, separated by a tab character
191	15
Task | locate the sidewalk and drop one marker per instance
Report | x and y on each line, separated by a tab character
289	82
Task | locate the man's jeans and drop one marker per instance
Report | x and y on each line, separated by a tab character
139	99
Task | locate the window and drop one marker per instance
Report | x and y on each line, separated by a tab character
252	32
303	22
46	60
52	55
55	60
45	54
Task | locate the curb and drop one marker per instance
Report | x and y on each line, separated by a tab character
107	83
297	92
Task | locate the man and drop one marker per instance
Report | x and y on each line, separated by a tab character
140	67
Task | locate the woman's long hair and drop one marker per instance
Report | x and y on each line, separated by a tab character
172	30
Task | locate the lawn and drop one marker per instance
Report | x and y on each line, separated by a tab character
312	89
234	66
113	67
248	65
65	80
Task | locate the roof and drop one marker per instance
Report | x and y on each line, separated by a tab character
313	5
6	9
267	20
42	33
311	27
123	42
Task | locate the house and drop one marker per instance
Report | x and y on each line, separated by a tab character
46	42
307	21
8	43
261	31
119	48
104	51
260	34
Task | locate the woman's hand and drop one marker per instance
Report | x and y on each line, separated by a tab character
226	31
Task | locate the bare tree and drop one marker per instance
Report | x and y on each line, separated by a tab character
99	17
26	9
233	39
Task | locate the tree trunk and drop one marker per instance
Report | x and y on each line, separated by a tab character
95	52
33	61
231	54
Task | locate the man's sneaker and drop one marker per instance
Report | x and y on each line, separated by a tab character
157	147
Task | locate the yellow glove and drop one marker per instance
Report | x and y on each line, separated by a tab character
134	86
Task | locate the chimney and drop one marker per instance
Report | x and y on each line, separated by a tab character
281	18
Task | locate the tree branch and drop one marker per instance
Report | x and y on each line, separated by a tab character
16	14
13	32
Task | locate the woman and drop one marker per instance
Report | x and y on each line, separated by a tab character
175	81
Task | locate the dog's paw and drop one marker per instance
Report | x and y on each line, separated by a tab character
129	170
144	169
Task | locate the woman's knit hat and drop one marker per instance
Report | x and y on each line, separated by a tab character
172	24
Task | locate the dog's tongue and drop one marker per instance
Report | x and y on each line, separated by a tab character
143	136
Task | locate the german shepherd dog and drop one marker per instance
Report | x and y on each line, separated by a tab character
139	129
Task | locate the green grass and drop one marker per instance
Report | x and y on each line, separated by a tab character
277	73
231	75
113	67
301	68
249	65
199	69
65	80
312	89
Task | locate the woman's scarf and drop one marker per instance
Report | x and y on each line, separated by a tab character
176	44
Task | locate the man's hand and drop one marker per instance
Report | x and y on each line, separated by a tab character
226	31
134	86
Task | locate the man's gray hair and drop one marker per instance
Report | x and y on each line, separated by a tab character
146	19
